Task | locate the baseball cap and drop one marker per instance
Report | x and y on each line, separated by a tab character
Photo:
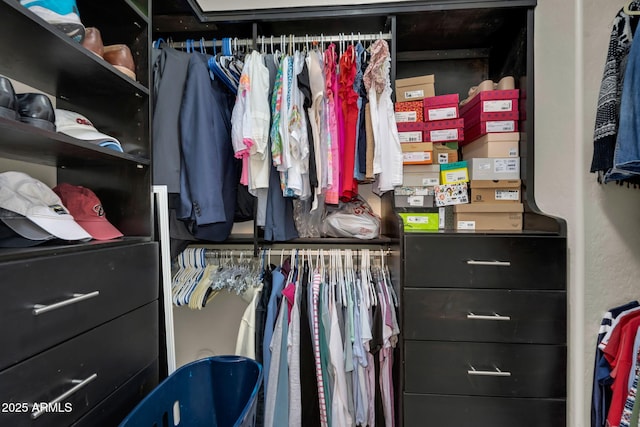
11	239
87	210
22	194
22	226
78	126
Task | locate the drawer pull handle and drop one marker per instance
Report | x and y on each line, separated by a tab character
496	373
495	316
40	308
78	385
492	263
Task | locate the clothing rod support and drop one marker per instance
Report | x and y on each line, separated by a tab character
287	39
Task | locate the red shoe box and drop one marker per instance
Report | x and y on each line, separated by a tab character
442	107
410	131
474	117
484	127
444	130
491	101
409	111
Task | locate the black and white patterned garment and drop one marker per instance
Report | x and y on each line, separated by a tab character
608	109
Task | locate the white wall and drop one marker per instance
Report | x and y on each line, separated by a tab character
571	40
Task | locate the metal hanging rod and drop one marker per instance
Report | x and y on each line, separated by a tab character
290	38
287	252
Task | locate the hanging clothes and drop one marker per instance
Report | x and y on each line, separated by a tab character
608	107
349	105
387	161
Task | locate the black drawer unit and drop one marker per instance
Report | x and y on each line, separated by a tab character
50	307
485	369
484	330
81	372
463	411
493	315
485	261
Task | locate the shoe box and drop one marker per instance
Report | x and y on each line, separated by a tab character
493	168
505	144
409	111
417	153
491	111
415	88
488	216
503	191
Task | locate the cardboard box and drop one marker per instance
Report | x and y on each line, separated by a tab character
493	101
415	88
409	111
444	124
475	116
451	194
420	175
440	100
493	168
414	191
445	218
488	216
493	145
501	191
445	152
444	135
410	131
482	128
419	221
454	173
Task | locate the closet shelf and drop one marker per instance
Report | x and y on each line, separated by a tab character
53	249
120	12
20	141
53	51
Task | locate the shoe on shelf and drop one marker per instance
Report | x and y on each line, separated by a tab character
8	100
93	41
62	14
505	83
119	55
36	109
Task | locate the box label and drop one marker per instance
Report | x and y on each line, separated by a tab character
455	176
406	116
416	156
430	181
412	94
443	158
415	200
513	152
410	136
496	106
418	219
442	113
501	126
466	225
506	166
441	218
507	195
444	135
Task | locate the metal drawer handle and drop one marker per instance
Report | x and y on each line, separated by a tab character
78	385
492	263
40	308
496	373
495	316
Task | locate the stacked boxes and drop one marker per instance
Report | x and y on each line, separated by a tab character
409	116
415	88
491	111
443	127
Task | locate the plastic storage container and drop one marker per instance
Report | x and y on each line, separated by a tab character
218	391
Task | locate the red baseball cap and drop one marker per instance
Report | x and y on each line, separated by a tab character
86	209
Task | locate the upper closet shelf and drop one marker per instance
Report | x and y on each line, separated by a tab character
53	63
21	141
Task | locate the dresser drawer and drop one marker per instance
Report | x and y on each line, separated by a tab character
485	369
114	280
492	315
96	363
465	411
485	261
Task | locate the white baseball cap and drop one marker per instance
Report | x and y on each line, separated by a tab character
78	126
31	198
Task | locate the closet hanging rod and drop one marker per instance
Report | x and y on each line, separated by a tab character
287	252
347	37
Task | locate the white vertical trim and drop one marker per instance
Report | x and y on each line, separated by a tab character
162	214
577	380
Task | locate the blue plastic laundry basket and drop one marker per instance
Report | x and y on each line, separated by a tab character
219	391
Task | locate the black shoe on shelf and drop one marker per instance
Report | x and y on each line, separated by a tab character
36	109
8	100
